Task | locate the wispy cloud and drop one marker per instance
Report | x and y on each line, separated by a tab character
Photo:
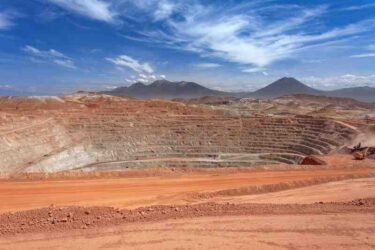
127	61
254	70
207	65
370	52
341	81
65	63
6	20
248	35
144	78
358	7
6	86
363	55
50	56
94	9
164	10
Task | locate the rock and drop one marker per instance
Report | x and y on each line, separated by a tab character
312	160
359	155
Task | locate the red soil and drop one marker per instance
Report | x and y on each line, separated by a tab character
67	218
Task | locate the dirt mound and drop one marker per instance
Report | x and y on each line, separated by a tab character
67	218
54	219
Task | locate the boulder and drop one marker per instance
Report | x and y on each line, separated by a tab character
312	160
359	155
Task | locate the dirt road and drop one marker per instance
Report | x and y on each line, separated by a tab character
317	231
135	192
337	191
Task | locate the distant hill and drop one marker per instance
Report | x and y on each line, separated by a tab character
285	86
291	86
329	100
166	89
366	94
187	90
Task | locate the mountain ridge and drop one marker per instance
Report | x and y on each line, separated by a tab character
283	86
166	89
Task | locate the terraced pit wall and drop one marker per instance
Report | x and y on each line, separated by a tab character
101	133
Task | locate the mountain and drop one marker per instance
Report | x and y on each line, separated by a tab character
166	89
366	94
187	90
284	86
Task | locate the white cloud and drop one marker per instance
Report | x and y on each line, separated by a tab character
363	55
245	34
52	56
142	80
207	65
6	20
164	10
65	63
43	53
343	81
6	86
359	7
254	70
127	61
109	87
94	9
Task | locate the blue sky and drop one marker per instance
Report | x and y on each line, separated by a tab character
60	46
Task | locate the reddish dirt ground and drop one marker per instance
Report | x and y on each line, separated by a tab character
207	226
135	192
336	191
257	209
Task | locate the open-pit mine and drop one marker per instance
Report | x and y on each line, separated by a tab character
116	172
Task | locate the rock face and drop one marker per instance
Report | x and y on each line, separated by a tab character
91	132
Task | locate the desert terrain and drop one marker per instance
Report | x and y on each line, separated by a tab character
96	171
